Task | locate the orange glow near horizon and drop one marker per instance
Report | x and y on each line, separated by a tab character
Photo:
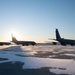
20	36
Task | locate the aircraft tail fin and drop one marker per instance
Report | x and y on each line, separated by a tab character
13	38
57	35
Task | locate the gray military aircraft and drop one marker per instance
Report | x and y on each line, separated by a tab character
64	41
5	43
27	43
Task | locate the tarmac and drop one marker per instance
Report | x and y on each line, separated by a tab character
10	67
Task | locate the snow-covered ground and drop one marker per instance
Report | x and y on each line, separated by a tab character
59	59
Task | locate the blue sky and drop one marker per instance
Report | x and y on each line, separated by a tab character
37	19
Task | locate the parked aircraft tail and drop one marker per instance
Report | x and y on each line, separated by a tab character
13	38
57	35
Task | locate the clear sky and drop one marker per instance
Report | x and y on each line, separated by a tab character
37	19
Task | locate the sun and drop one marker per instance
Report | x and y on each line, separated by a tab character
15	34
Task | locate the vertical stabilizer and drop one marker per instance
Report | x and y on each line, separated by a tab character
13	38
57	35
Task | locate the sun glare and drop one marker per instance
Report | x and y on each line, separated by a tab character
15	34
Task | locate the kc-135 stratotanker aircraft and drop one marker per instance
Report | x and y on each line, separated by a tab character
62	40
27	43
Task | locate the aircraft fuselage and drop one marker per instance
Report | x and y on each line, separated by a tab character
5	43
25	43
67	41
